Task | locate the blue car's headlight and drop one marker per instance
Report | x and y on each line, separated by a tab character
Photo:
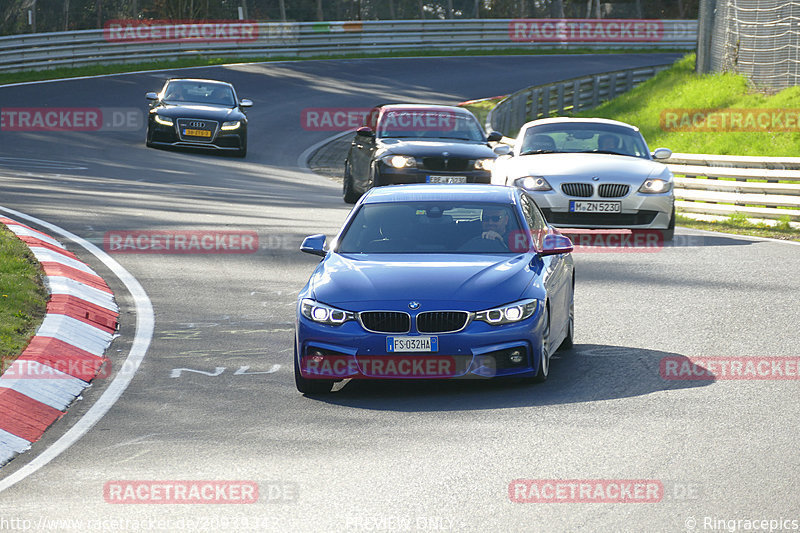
508	314
324	314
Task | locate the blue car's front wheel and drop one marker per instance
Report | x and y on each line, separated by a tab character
543	368
309	386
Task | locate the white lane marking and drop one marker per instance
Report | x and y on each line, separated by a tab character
176	372
145	323
302	159
243	370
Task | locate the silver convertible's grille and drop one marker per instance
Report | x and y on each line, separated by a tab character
385	321
582	190
613	190
196	126
441	321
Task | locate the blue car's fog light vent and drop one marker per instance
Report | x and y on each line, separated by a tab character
386	321
441	321
581	190
613	190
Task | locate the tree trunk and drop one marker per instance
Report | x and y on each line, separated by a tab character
282	4
99	4
320	14
392	14
449	9
421	10
639	13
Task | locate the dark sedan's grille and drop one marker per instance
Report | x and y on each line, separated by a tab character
613	190
441	321
454	164
386	321
199	125
582	190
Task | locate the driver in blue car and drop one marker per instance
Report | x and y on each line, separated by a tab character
495	225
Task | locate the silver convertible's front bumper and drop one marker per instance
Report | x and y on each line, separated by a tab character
637	210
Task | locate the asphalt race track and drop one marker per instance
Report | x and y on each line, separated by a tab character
399	456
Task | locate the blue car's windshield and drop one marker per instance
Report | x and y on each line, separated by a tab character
432	227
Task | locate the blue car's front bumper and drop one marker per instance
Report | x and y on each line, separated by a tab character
479	350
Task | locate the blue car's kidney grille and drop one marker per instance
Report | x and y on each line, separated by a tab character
386	321
582	190
441	321
613	190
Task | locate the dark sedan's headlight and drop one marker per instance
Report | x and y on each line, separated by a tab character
655	186
508	314
232	125
324	314
486	163
164	121
399	161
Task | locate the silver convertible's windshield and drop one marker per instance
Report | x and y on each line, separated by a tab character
198	92
430	124
583	137
432	227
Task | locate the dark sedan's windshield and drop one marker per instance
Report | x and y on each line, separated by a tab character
195	92
430	124
583	137
432	227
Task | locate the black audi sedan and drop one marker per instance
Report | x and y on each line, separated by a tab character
196	113
414	143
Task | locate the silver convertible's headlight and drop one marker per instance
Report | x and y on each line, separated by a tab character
533	183
233	125
399	161
508	314
164	121
484	164
324	314
655	186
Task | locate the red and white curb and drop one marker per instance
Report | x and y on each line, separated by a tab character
67	351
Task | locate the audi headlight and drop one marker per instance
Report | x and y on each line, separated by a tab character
484	164
233	125
533	183
655	186
399	161
164	121
324	314
508	314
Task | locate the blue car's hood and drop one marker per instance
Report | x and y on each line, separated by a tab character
383	281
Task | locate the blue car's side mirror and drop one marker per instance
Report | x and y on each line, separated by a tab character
314	244
554	244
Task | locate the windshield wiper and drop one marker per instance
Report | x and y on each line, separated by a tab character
601	152
529	152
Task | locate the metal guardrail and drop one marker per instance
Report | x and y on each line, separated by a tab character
78	48
724	185
564	97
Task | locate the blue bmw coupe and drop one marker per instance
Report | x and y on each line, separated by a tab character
435	281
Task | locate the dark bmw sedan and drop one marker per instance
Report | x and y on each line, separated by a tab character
413	143
195	113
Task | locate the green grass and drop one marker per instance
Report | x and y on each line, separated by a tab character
739	226
680	88
201	61
22	296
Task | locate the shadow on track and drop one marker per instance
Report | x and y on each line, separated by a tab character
586	373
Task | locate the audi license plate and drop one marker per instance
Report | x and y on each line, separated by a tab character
412	344
197	133
576	206
447	179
